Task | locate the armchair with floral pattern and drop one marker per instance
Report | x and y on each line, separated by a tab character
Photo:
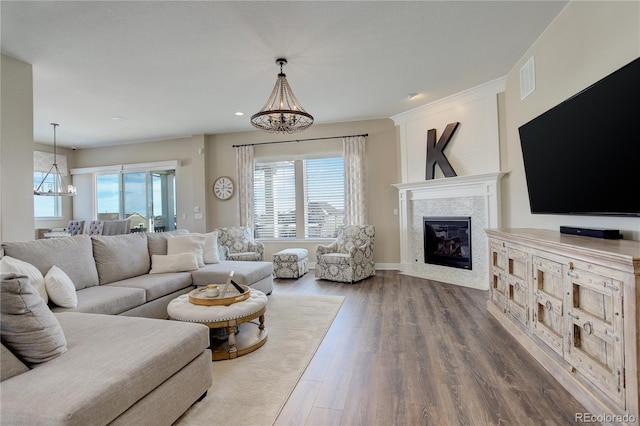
237	243
350	257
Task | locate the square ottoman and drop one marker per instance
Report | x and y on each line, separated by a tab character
291	263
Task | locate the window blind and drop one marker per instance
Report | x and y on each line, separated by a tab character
324	196
275	199
42	162
317	184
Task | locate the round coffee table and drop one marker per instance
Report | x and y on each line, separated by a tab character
229	317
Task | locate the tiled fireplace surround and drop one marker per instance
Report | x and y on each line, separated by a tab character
476	196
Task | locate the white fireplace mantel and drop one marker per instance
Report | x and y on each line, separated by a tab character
486	186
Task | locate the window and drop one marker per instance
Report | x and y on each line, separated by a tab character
108	196
146	198
324	197
299	198
46	207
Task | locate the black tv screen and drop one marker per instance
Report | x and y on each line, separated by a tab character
583	155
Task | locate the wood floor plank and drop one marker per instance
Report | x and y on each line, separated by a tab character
324	417
299	405
408	351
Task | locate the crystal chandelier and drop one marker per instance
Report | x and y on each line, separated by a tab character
57	188
282	113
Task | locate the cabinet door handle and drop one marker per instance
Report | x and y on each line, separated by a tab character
573	315
572	274
587	327
517	286
610	286
548	305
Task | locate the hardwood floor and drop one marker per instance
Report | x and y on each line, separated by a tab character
408	351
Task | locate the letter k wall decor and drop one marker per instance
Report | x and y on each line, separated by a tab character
435	152
461	134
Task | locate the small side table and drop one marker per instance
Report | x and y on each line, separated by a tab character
291	263
229	317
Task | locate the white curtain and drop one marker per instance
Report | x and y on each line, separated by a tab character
355	203
244	164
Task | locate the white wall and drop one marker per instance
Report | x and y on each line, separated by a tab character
473	149
382	172
587	41
190	181
198	171
16	151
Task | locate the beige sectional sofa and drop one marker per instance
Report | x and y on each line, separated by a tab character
117	369
111	272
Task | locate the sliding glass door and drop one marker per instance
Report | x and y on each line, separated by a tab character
163	200
146	198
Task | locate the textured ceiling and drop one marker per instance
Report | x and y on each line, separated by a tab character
175	69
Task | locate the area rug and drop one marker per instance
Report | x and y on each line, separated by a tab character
252	389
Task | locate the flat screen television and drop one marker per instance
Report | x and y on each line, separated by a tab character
583	156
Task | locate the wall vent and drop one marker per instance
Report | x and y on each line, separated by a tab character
527	78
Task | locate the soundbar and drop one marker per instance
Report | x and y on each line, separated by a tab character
607	234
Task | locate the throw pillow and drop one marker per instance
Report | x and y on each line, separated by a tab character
74	255
9	264
157	241
60	288
190	243
180	262
210	251
28	327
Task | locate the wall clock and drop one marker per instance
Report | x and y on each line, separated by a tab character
223	188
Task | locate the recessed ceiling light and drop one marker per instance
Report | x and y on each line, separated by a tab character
239	113
412	96
117	117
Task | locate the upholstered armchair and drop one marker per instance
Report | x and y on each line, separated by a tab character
350	257
237	243
75	227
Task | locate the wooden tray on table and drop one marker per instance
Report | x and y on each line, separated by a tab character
198	297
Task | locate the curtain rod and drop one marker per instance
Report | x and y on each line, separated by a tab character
300	140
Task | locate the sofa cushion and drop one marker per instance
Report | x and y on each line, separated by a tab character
210	250
157	241
11	365
60	288
28	327
245	273
180	262
112	363
74	255
107	300
156	285
119	257
8	264
190	243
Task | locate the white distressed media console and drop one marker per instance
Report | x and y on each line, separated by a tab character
572	302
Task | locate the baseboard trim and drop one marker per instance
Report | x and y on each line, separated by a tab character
377	266
387	266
